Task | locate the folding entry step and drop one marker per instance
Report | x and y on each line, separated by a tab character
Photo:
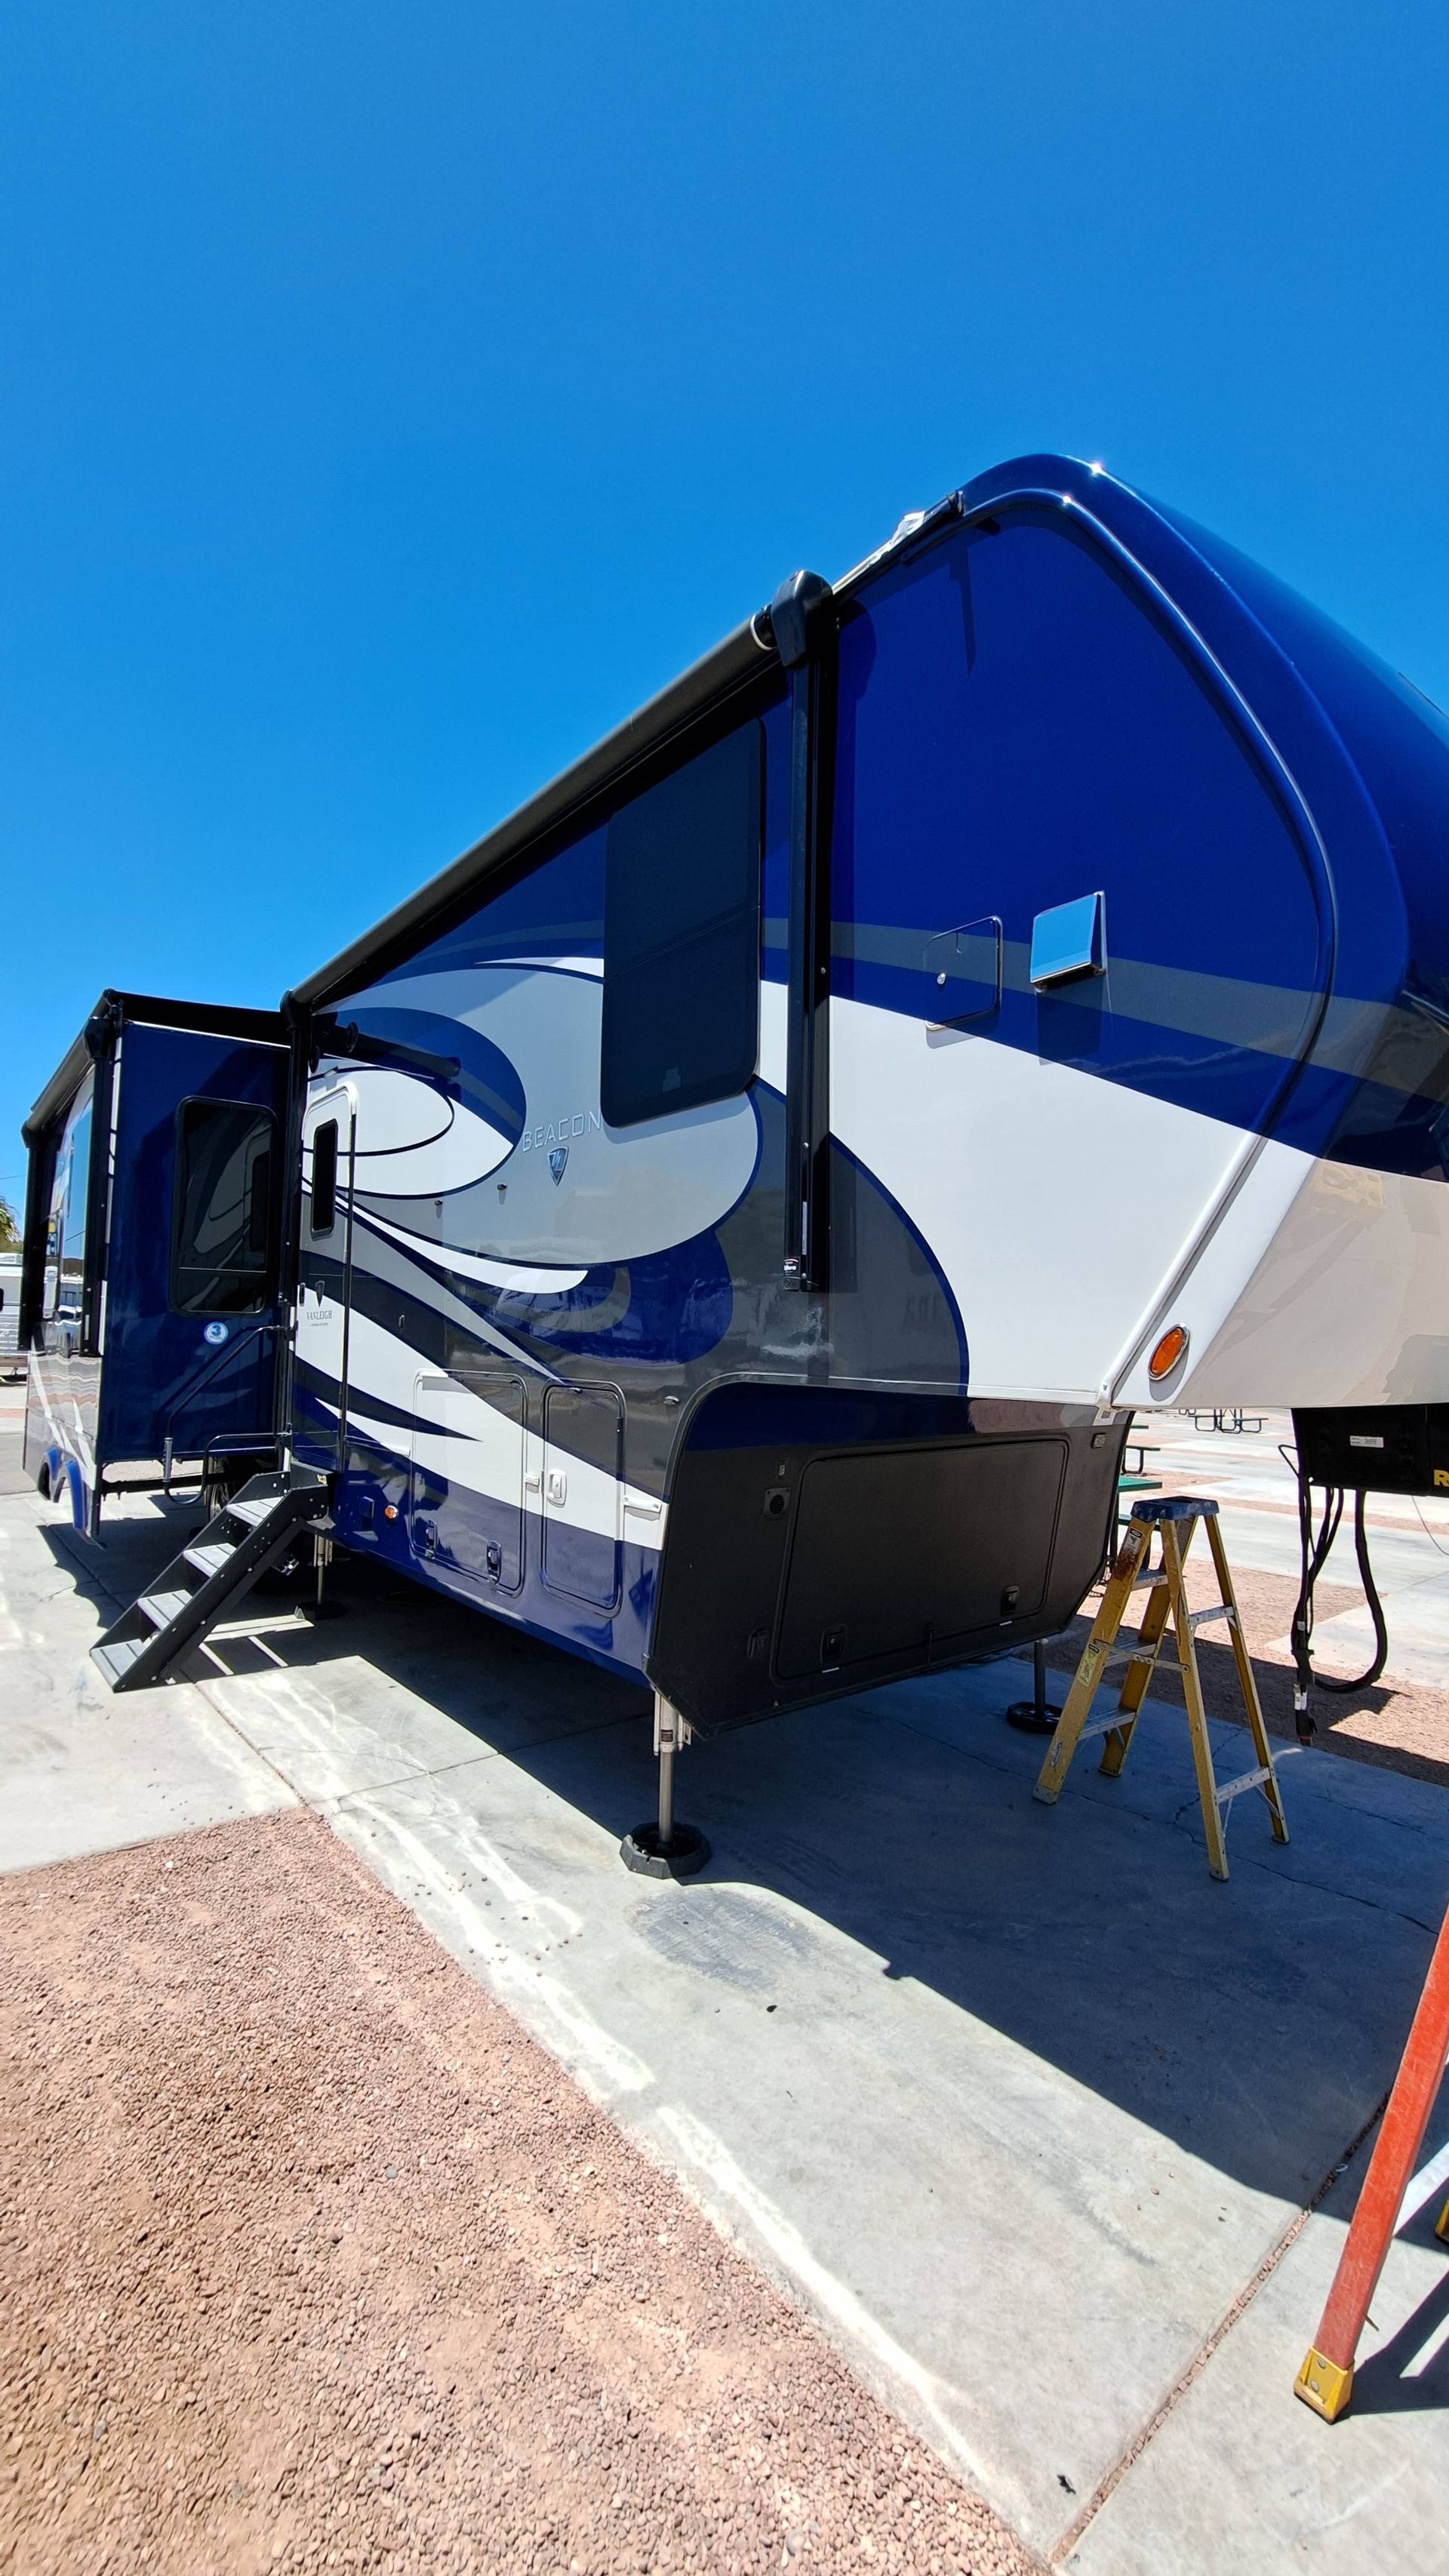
209	1577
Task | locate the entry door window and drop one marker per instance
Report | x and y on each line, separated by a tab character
222	1231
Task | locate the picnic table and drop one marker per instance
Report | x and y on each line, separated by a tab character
1135	1478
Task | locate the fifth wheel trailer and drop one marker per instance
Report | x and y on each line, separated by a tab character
725	1222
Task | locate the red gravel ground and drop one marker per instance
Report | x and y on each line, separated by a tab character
311	2259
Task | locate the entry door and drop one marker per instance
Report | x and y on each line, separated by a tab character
467	1477
324	1277
583	1456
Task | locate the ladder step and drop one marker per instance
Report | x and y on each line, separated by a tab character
1255	1779
1145	1657
1112	1725
255	1512
1166	1663
1131	1654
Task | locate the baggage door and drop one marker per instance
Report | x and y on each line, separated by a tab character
467	1477
583	1455
324	1276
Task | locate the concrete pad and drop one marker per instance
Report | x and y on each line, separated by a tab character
82	1770
13	1479
1324	1799
400	1687
1017	2099
1243	2477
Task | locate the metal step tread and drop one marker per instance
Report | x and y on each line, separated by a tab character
209	1556
162	1607
177	1614
118	1657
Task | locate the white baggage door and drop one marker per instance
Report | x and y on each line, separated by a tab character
467	1475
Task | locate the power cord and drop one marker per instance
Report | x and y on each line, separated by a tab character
1314	1555
1424	1526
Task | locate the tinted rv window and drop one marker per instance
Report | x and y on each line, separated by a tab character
324	1179
66	1234
222	1233
682	937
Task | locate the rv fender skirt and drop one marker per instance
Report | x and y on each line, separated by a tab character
642	1851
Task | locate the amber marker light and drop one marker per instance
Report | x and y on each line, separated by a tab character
1168	1352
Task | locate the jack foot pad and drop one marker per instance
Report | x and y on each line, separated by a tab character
642	1851
1025	1714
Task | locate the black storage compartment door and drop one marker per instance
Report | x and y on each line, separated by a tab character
899	1548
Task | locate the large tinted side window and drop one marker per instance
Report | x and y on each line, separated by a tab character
682	936
221	1243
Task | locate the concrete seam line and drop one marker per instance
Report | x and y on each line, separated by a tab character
203	1690
1210	2343
707	2157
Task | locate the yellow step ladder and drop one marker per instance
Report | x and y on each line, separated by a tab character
1175	1517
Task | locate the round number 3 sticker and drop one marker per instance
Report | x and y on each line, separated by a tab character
216	1332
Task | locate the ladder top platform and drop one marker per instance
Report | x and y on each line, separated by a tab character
1174	1507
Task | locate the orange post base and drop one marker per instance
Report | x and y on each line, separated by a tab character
1326	2379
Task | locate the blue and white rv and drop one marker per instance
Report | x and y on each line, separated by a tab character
725	1222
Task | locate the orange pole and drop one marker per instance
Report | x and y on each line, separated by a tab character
1326	2380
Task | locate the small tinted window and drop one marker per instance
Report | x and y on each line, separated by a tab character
682	937
324	1178
66	1233
222	1235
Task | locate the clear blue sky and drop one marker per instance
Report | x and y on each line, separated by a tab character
396	395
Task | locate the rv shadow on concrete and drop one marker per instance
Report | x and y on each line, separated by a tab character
1256	2024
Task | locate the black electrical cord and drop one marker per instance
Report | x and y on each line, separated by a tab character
1314	1554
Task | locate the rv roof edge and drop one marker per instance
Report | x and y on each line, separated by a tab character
712	677
66	1080
111	1012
